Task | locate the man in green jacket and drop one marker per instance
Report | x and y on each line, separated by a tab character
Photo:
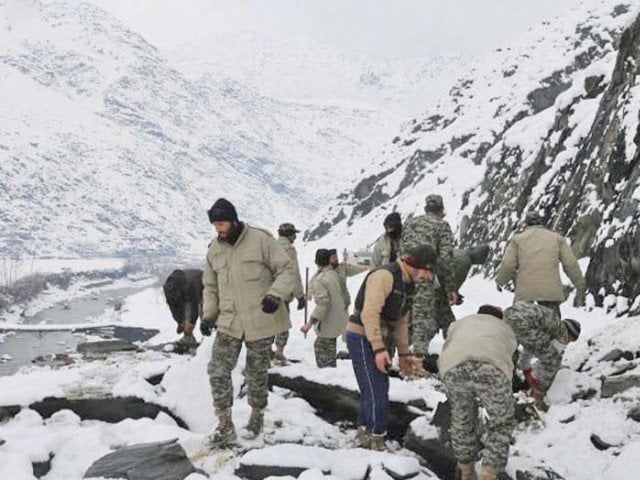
286	237
246	278
329	317
531	260
477	364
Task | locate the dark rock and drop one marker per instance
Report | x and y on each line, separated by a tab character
9	411
111	410
613	385
544	97
599	443
155	379
538	473
623	369
616	354
584	394
40	469
106	347
438	456
148	461
260	472
568	419
2	441
343	355
593	86
337	404
634	413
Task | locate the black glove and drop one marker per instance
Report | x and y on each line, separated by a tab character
460	299
206	327
270	303
302	302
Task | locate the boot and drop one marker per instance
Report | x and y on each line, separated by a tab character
225	432
279	358
489	473
363	439
378	442
253	428
467	471
538	399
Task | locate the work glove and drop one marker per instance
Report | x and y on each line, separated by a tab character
206	326
579	300
270	303
460	299
302	302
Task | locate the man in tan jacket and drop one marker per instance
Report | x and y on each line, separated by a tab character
329	317
286	237
531	260
247	275
477	363
379	325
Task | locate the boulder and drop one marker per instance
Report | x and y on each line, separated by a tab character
613	385
148	461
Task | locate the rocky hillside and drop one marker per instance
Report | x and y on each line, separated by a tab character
550	123
107	148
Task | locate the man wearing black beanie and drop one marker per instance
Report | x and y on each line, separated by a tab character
385	250
247	275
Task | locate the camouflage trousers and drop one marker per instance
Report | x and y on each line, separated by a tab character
224	358
466	385
283	338
423	325
533	325
325	351
443	313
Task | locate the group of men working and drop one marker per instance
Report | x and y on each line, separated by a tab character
250	278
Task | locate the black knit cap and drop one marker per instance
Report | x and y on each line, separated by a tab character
392	220
332	251
222	211
573	327
322	257
422	257
487	309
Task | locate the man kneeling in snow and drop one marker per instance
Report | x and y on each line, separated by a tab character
542	334
183	292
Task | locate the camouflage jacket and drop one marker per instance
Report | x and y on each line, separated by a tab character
434	230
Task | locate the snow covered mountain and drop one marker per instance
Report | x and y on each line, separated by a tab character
105	147
549	122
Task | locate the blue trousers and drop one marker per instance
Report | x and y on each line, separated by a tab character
373	384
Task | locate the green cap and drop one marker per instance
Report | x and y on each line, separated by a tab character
287	229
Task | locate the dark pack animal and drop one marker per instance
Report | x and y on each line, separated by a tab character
183	292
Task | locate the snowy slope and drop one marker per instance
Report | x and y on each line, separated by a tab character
106	147
533	125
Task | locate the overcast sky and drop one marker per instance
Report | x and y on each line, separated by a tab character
382	28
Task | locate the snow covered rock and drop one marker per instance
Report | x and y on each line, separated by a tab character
150	461
430	440
614	385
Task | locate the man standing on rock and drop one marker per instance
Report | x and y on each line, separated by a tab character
247	275
430	228
378	326
477	364
386	248
286	236
531	260
545	336
329	317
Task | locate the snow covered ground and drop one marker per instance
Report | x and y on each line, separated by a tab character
565	447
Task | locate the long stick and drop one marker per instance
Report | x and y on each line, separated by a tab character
306	295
